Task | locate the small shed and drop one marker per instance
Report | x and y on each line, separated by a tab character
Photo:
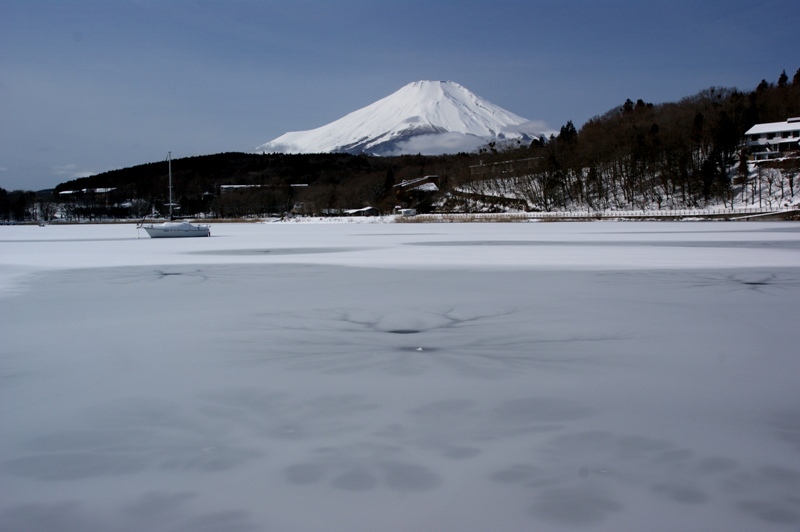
404	211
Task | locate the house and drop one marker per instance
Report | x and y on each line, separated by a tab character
404	212
99	195
418	193
774	139
95	191
231	188
365	211
420	184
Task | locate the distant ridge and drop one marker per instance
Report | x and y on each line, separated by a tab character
427	117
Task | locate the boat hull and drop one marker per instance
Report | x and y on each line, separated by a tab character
176	230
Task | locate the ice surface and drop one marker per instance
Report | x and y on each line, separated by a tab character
471	377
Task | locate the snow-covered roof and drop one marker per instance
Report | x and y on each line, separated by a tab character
85	190
409	182
363	209
226	187
426	187
791	124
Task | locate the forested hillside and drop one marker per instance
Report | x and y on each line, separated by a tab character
642	155
681	154
242	184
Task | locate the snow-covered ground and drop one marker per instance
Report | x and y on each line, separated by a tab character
766	188
361	377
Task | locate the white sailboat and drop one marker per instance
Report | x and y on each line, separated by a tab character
174	229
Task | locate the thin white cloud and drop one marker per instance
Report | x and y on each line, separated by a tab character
535	128
278	147
72	171
438	144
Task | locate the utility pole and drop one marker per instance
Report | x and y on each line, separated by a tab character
169	166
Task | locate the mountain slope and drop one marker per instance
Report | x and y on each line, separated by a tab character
428	117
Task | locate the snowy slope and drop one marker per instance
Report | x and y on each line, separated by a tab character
429	117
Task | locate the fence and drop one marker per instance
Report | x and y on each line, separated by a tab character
610	214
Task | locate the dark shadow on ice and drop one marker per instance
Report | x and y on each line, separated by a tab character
735	244
749	280
461	453
541	409
447	409
517	473
227	521
770	511
716	464
355	480
786	425
74	466
682	493
363	473
208	459
304	473
156	507
153	511
574	507
673	456
277	251
62	240
782	476
395	234
45	517
402	476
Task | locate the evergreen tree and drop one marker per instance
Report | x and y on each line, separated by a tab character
388	183
568	133
5	206
627	107
783	79
696	133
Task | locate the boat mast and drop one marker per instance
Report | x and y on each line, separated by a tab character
169	159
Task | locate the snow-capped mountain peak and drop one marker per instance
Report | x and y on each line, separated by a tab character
428	117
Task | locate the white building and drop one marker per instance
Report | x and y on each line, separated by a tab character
773	139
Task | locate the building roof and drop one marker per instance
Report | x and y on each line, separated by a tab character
426	187
791	124
226	187
362	210
88	190
411	182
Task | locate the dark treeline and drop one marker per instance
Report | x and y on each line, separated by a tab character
637	155
17	205
231	185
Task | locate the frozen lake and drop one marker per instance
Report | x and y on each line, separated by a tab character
364	377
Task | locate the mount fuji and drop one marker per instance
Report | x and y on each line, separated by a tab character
425	117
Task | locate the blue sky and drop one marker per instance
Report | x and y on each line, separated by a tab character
89	86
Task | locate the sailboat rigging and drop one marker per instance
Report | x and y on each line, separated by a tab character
173	229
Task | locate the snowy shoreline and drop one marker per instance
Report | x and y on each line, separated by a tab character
789	212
